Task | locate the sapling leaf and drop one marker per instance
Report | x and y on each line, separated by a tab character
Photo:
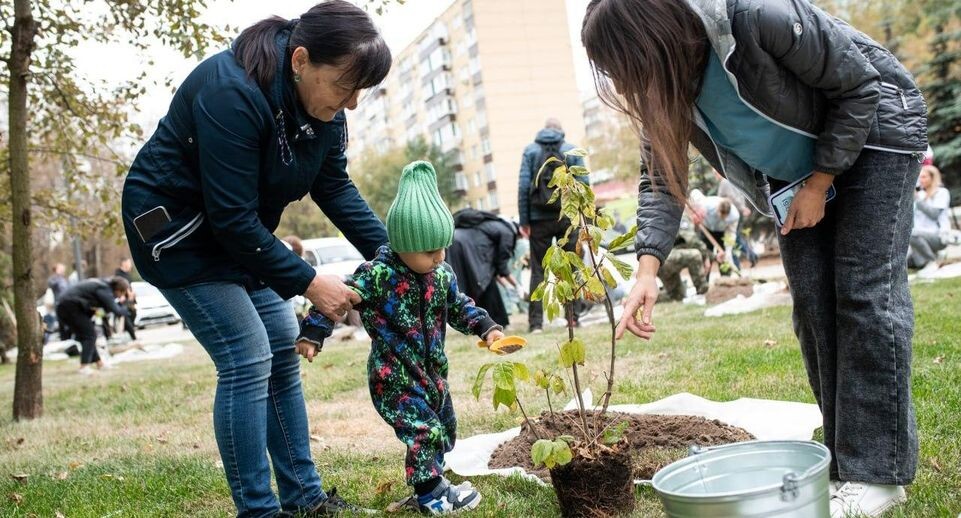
614	434
540	451
521	372
481	377
622	268
561	452
558	385
581	152
504	397
541	379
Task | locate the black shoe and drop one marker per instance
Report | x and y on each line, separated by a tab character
335	505
534	330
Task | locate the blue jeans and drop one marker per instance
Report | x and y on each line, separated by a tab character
259	406
854	318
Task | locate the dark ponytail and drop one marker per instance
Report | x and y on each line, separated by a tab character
334	32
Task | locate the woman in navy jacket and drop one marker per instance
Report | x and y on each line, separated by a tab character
250	130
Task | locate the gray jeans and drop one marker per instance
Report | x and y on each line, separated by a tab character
854	318
924	248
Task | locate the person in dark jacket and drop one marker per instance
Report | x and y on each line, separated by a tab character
480	256
769	93
76	309
540	223
130	302
250	130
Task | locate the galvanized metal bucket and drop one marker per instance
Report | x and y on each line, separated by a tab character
756	478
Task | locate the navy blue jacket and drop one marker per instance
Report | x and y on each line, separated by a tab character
531	162
224	170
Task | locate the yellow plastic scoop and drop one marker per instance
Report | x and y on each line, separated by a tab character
506	345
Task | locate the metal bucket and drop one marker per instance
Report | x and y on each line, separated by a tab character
755	478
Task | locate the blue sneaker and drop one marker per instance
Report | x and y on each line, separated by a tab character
448	499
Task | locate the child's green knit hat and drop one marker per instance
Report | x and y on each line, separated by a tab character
418	220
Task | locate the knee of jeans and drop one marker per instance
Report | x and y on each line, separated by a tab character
254	371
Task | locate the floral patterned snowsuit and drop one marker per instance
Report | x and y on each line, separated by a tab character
406	315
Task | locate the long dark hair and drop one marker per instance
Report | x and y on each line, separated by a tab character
334	32
648	58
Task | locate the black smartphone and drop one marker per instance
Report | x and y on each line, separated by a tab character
151	222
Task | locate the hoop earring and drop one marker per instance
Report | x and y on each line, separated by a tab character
297	78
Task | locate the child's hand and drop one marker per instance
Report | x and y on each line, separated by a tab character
306	349
492	337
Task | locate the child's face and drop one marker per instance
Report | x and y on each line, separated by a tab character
423	262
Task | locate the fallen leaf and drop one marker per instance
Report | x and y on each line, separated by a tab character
384	487
316	438
162	439
935	464
196	445
18	442
60	475
74	465
16	498
939	360
770	343
124	388
328	366
19	477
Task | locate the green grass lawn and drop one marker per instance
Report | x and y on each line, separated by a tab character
138	441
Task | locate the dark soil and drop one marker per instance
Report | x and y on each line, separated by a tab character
727	288
653	441
595	487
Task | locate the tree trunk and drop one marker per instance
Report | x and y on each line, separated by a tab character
27	392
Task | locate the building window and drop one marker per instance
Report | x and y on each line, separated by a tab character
492	200
486	145
460	181
477	179
480	204
489	171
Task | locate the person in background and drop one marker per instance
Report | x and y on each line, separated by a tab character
931	204
540	220
720	219
130	302
726	189
77	307
480	256
57	282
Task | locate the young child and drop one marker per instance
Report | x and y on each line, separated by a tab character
409	295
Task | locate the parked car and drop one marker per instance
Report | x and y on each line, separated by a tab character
332	256
152	307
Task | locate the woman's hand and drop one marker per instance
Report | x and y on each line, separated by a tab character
807	207
643	296
331	296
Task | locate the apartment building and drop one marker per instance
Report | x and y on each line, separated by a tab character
479	83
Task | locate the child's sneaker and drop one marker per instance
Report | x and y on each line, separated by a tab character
447	499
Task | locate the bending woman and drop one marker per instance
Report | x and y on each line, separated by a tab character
771	92
252	129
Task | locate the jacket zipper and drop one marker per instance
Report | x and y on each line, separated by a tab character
423	320
900	92
178	236
737	89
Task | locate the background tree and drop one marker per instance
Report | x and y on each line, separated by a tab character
57	117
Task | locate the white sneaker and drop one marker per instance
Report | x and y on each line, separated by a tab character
833	487
857	499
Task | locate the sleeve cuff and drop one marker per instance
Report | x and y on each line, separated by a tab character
494	327
651	251
315	328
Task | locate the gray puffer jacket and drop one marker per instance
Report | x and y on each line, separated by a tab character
806	71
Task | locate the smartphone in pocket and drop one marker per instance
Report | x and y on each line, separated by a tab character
150	223
781	200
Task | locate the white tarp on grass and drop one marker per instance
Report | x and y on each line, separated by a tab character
763	418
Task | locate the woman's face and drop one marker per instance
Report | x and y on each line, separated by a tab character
321	90
925	180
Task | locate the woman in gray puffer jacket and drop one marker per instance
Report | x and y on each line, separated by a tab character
771	92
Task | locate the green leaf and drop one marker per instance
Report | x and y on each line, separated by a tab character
581	152
521	372
479	382
623	240
504	397
608	277
539	291
504	375
579	170
622	268
561	453
614	434
541	379
595	287
558	385
569	439
540	451
572	352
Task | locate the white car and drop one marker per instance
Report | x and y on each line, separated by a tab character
152	307
332	256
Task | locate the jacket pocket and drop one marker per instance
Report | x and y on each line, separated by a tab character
182	227
898	91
